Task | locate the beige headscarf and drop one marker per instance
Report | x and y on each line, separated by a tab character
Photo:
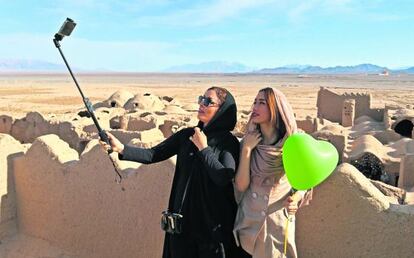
284	113
263	162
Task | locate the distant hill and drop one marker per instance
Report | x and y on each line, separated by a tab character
210	67
24	65
357	69
408	70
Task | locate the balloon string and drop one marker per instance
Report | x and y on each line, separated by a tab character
286	235
289	219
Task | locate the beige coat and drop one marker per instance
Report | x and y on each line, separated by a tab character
261	219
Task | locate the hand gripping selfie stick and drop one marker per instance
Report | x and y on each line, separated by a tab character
66	30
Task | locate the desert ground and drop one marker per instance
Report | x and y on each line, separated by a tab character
56	93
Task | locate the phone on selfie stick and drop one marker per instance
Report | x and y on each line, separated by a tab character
66	30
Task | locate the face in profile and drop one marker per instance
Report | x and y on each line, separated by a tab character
261	111
209	105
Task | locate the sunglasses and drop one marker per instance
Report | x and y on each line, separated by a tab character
206	101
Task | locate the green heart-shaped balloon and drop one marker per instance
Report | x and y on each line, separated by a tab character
308	162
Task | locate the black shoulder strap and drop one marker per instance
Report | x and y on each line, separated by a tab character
185	193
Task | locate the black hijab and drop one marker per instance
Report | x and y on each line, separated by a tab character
223	121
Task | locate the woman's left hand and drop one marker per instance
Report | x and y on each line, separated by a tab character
291	203
199	139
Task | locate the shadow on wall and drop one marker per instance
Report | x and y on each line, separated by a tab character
8	214
9	150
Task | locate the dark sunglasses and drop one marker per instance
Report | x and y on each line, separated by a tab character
206	101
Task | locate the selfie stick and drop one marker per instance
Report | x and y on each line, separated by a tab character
66	30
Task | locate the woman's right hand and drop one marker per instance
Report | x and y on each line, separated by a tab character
251	140
116	145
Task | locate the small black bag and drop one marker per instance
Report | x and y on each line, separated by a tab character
172	222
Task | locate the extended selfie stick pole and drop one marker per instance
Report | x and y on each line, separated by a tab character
66	30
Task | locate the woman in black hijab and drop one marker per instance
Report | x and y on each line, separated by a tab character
207	156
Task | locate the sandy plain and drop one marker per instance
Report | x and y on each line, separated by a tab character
57	93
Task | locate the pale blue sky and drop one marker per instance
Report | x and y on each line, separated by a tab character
153	35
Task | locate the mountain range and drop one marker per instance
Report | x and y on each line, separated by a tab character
309	69
225	67
24	65
210	67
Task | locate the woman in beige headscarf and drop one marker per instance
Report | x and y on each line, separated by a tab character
261	183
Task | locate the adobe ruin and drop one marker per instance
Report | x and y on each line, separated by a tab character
59	198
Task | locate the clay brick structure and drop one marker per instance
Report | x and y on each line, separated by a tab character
148	136
334	134
350	217
406	175
174	123
146	101
59	198
118	99
9	150
366	125
75	130
139	121
308	124
373	160
401	120
331	105
6	123
69	206
73	202
348	112
387	136
30	127
173	109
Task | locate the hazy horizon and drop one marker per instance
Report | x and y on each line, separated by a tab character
38	66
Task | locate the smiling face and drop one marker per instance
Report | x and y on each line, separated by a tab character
207	112
261	112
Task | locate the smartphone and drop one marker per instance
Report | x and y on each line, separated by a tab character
67	27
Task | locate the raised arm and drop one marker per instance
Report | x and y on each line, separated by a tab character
242	179
160	152
221	171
